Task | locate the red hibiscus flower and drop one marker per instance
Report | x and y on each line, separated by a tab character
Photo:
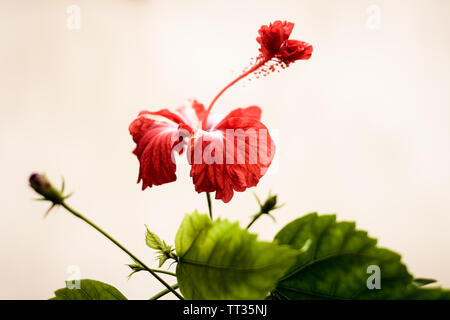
228	153
231	154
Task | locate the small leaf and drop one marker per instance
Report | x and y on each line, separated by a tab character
135	268
89	290
219	260
334	262
162	259
420	282
152	240
163	249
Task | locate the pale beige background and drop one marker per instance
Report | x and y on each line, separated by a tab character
363	126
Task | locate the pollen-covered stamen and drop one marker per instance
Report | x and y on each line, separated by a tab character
276	51
259	63
272	65
261	67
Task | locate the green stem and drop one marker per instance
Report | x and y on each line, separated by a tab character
163	293
164	271
132	256
256	217
208	198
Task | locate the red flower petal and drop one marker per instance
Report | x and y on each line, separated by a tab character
275	43
157	136
253	112
192	113
272	36
292	50
232	157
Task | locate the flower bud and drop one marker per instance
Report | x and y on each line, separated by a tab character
41	185
270	204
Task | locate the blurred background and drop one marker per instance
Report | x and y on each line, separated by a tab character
362	128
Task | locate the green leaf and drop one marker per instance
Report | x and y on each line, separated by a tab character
420	282
415	293
164	251
88	290
152	240
333	262
219	260
162	259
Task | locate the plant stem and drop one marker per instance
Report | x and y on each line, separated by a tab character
208	199
255	217
164	292
164	271
132	256
158	271
246	73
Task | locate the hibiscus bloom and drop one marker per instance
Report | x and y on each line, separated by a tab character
228	153
231	154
